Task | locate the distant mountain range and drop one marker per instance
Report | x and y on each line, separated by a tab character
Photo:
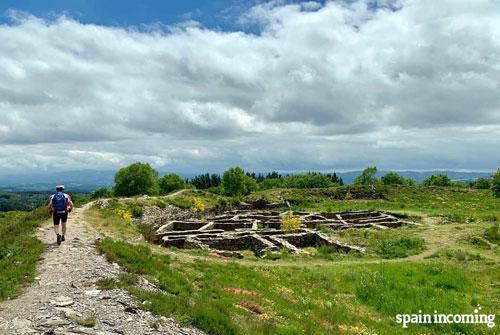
89	180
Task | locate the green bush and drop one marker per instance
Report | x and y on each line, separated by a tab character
102	192
136	210
171	182
482	184
226	204
307	181
136	179
392	178
495	183
437	180
271	183
235	182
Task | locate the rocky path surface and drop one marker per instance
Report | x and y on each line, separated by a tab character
64	299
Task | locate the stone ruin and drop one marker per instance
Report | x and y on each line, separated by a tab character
260	231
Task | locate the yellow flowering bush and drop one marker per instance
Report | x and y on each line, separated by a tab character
290	222
125	215
198	205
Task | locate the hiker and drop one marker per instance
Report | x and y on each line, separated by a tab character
60	205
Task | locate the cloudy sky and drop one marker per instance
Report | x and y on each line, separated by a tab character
265	85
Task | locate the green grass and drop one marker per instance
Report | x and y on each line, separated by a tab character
492	234
456	254
448	267
389	243
19	249
402	247
108	220
452	204
329	299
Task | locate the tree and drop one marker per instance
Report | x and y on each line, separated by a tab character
307	181
235	182
482	183
205	181
392	178
135	179
367	177
437	180
495	183
171	182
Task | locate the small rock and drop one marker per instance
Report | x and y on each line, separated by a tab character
18	323
68	313
62	301
92	293
55	323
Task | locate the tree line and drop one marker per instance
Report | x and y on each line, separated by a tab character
141	178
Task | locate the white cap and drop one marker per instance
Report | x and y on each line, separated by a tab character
60	187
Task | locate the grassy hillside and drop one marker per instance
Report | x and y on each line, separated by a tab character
19	249
455	204
233	298
449	263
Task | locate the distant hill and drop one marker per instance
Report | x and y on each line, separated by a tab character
75	181
89	180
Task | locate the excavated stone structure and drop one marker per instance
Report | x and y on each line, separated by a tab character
260	231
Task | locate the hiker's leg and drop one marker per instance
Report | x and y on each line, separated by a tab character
64	219
55	219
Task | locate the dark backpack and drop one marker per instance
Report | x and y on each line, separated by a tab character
59	203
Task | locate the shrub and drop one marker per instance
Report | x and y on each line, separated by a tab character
290	222
225	204
102	192
495	183
216	190
136	210
136	179
437	180
125	215
235	182
271	183
171	182
307	181
198	205
392	178
367	177
482	184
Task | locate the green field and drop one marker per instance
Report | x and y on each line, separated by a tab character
449	262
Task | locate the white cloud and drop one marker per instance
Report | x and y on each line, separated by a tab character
323	86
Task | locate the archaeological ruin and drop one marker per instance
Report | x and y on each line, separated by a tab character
261	231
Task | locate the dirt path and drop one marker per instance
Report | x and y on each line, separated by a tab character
64	299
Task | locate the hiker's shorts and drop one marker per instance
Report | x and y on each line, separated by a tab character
60	217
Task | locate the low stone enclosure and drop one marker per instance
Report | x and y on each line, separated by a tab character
260	231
